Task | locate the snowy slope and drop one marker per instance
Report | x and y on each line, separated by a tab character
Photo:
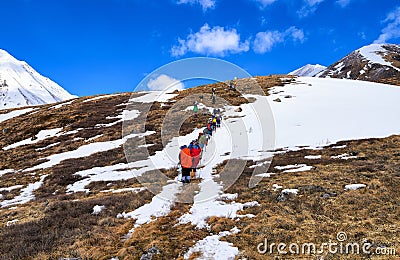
375	53
323	111
21	85
308	70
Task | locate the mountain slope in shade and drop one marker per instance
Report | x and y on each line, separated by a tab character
21	85
375	62
308	70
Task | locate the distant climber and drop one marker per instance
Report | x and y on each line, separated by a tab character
195	108
195	153
234	85
216	111
203	141
210	127
186	162
214	123
213	95
231	87
219	119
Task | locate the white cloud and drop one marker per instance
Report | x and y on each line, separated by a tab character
264	41
392	29
205	4
164	82
309	7
265	3
216	41
343	3
295	33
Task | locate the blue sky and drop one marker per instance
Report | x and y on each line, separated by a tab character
97	46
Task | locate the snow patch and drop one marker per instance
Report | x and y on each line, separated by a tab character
153	96
265	175
294	168
14	113
8	189
42	135
12	222
212	247
313	157
85	150
98	209
344	156
374	53
290	191
354	186
26	194
276	187
159	206
5	171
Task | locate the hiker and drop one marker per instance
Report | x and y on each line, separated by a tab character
214	123
195	108
231	87
195	153
216	111
234	83
202	140
213	95
206	133
210	127
219	119
186	162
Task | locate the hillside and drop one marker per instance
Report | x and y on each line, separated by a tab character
21	85
375	62
78	177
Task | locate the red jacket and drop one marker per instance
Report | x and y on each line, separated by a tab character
185	158
196	154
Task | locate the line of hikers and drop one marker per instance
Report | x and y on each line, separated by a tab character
190	156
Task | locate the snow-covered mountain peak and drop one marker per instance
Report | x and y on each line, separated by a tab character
21	85
374	62
6	58
308	70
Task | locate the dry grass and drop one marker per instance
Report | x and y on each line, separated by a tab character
368	214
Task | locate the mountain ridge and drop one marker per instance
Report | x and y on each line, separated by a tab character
308	70
374	62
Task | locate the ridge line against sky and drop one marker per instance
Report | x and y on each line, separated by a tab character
105	46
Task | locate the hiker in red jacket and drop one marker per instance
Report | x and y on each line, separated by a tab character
186	162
